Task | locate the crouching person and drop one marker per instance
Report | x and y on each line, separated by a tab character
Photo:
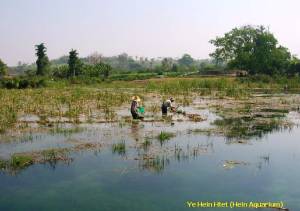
167	104
134	108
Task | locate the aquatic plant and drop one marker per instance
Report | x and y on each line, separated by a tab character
51	156
3	164
119	148
146	144
163	136
157	164
20	161
239	127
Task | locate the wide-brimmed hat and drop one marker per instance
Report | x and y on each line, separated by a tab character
136	98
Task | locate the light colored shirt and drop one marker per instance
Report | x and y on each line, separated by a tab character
168	103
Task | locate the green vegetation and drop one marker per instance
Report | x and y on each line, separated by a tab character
8	117
157	164
146	144
3	164
42	61
65	131
255	50
164	136
3	68
251	49
119	148
74	64
54	155
20	161
22	82
57	102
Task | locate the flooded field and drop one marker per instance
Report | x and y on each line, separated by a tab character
216	149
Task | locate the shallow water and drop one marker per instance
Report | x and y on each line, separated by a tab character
109	181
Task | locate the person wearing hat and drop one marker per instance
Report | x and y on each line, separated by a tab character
134	107
167	104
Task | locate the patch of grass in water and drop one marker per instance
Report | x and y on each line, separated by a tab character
157	164
119	148
146	144
247	128
164	136
20	161
53	155
3	164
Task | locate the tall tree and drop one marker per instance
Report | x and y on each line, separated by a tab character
251	48
42	61
3	68
166	64
186	60
74	63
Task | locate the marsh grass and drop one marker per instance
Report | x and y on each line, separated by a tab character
203	86
8	117
57	102
63	100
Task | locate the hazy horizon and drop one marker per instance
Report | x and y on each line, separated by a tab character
140	28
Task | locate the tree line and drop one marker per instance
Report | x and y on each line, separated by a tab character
74	68
253	49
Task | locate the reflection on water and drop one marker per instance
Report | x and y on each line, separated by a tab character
133	171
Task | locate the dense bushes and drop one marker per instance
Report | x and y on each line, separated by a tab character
278	80
132	76
22	83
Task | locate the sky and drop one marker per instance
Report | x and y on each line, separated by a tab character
148	28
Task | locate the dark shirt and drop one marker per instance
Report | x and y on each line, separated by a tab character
134	106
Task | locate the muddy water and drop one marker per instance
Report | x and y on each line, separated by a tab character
188	167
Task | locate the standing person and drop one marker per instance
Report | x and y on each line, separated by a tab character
134	107
167	104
